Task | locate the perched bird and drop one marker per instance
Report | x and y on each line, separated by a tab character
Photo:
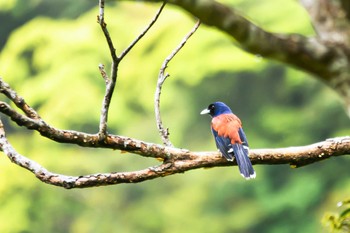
229	137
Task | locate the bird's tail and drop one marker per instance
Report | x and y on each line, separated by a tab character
245	166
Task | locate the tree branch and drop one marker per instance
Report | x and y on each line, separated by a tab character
164	132
110	82
293	49
330	20
174	160
85	139
180	162
329	62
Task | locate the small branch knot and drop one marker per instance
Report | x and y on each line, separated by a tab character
101	67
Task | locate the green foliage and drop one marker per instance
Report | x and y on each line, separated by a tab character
52	61
339	222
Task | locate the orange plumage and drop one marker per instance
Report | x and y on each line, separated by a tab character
227	125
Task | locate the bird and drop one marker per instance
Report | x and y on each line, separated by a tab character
230	138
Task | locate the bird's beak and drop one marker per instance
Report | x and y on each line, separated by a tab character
205	111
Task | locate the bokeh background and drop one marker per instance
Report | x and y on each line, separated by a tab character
50	52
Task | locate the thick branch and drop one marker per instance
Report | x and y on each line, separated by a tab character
85	139
330	20
180	162
174	160
115	141
294	49
328	62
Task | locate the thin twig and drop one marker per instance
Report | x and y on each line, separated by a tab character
103	24
127	50
164	132
110	83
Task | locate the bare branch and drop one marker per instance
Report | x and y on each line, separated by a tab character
127	50
103	24
101	15
75	137
329	62
110	83
294	155
18	100
181	162
174	160
293	49
164	133
85	139
330	20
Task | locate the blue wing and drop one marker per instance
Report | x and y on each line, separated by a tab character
243	137
224	145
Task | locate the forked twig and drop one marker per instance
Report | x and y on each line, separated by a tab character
111	82
164	132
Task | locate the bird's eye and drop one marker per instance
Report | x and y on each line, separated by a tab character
211	107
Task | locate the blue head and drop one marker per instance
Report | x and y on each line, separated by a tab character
216	109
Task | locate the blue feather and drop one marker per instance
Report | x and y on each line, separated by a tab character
239	151
243	161
223	144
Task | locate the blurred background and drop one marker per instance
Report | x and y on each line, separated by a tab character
50	52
